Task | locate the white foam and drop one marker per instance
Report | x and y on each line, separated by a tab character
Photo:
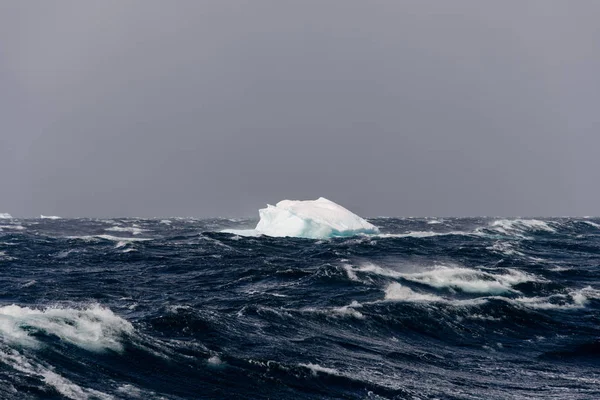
313	219
504	248
93	328
452	277
215	360
61	384
395	291
316	368
336	312
469	280
12	227
94	238
5	216
130	390
349	310
545	303
582	296
165	221
6	257
595	225
511	226
426	234
351	274
132	229
49	217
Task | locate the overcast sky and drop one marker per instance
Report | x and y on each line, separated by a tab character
215	108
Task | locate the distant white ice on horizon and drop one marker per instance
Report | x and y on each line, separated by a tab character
312	219
5	216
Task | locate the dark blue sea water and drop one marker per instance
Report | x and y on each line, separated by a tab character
484	308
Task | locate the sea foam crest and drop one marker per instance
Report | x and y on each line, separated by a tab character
50	217
62	385
94	328
131	229
452	277
395	291
470	281
508	226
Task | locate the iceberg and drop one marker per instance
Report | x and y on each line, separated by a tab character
5	216
312	219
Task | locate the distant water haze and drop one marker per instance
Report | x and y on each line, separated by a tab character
188	108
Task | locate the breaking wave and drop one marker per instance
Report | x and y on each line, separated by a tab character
93	328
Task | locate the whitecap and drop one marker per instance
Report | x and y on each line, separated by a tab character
316	369
582	296
215	360
470	281
452	277
132	229
94	328
344	311
13	227
426	234
519	226
595	225
50	217
504	248
61	384
395	291
95	238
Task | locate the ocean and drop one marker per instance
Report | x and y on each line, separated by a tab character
430	308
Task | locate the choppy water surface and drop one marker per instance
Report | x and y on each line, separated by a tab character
173	309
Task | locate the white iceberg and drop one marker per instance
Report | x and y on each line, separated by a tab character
5	216
312	219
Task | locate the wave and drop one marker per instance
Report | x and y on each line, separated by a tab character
395	291
520	226
12	227
573	299
471	281
426	234
92	328
131	229
590	223
96	238
335	312
458	278
49	377
50	217
504	248
315	369
6	257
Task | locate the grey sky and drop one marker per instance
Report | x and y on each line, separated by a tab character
206	108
